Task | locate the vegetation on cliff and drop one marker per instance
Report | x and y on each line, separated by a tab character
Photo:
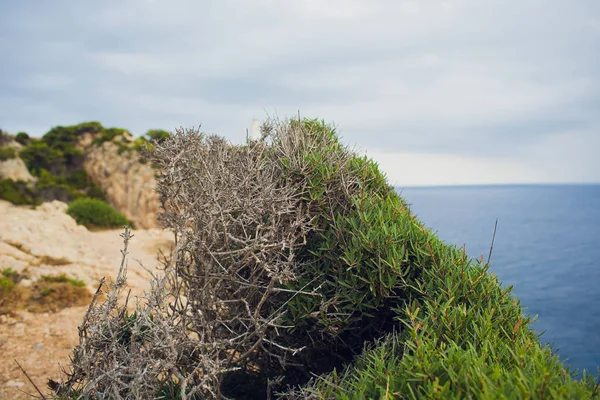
56	160
298	272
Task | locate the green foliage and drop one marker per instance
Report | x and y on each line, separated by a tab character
95	213
39	155
78	179
17	192
6	285
6	153
23	138
62	278
8	278
461	334
63	137
95	192
58	163
157	134
51	187
108	135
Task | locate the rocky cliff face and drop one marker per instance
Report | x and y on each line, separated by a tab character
129	184
15	168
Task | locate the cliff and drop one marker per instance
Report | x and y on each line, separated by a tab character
129	185
14	168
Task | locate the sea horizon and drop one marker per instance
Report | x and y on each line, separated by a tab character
483	185
545	247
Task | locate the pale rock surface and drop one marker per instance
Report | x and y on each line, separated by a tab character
15	168
46	240
129	185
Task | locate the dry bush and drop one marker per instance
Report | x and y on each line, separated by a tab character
142	355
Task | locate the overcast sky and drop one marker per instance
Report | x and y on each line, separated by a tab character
438	92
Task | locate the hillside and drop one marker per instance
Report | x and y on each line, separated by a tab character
84	160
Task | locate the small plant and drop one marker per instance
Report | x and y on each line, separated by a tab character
157	134
7	153
22	138
94	213
48	293
6	285
63	278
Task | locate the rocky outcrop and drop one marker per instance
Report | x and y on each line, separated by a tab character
129	185
47	241
15	168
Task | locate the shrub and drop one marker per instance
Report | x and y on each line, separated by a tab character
17	192
22	138
157	134
108	135
94	213
38	155
56	153
293	255
51	187
6	153
6	285
63	278
95	192
63	137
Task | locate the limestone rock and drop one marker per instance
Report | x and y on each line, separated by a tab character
47	241
15	168
129	184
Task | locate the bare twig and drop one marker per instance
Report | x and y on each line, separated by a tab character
493	238
30	381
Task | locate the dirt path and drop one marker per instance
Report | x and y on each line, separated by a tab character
46	241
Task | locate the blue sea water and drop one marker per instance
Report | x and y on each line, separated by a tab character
547	246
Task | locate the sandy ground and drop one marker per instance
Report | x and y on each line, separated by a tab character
34	240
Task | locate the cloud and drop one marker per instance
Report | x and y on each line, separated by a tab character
493	90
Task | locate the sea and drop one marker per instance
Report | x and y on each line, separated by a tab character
547	246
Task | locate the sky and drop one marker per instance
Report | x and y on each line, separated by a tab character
438	92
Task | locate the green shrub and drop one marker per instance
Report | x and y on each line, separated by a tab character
6	285
95	192
140	143
157	134
94	213
17	192
62	278
56	153
39	155
8	278
63	137
51	187
78	179
22	138
6	153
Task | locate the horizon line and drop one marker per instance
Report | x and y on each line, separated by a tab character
479	185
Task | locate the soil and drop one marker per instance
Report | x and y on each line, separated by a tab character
41	342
